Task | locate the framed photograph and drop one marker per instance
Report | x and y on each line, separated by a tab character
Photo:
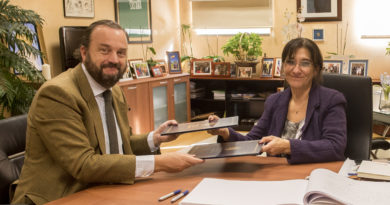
318	34
79	8
174	64
332	66
221	69
162	64
37	43
141	70
278	67
157	71
131	63
320	10
127	75
201	67
358	67
233	70
267	67
135	17
244	72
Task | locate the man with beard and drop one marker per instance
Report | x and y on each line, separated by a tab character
74	141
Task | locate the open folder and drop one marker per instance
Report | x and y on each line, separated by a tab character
226	149
200	125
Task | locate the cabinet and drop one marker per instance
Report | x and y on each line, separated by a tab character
153	101
244	97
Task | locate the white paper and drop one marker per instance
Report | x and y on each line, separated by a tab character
46	71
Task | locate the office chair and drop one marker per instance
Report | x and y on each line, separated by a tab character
12	146
358	93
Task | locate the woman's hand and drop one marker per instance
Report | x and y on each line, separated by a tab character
223	132
275	145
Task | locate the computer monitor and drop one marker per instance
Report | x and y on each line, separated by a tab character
70	39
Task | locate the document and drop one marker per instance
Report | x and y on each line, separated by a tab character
200	125
322	187
374	170
226	149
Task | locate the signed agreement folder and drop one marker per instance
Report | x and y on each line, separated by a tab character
226	149
200	125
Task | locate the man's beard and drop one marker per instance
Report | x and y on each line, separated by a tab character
106	81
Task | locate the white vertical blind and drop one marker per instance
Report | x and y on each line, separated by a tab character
232	14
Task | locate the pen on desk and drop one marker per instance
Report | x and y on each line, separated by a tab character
179	196
169	195
352	174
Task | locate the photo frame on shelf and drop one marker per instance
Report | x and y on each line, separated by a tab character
131	63
333	66
174	63
79	8
127	75
141	69
244	72
278	67
325	10
162	64
358	67
318	34
135	17
267	67
201	67
156	71
233	70
221	69
37	43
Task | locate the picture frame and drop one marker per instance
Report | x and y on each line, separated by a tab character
141	70
128	74
278	67
162	64
135	17
333	66
244	72
221	69
37	43
233	70
318	34
79	8
174	63
131	63
201	67
324	10
156	71
358	67
267	67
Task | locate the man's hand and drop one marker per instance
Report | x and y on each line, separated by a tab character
224	132
174	162
275	145
158	138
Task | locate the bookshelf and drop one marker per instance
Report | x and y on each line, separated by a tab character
244	97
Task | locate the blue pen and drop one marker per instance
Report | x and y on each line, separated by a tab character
179	196
352	174
169	195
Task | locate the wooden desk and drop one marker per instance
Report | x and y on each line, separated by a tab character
147	191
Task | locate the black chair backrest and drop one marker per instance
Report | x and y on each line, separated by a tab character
358	92
12	147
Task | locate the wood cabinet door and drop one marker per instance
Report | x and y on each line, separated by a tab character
181	90
161	102
137	97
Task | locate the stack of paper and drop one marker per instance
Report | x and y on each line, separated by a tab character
374	170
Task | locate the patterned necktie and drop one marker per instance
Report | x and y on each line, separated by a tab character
111	127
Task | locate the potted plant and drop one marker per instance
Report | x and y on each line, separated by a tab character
246	48
17	91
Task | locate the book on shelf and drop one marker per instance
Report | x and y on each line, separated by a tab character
200	125
374	170
322	187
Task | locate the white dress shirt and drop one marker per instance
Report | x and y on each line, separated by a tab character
144	165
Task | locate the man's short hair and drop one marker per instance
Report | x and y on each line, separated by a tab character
86	38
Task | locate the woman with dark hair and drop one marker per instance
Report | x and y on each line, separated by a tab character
306	122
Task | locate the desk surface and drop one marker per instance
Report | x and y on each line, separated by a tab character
147	191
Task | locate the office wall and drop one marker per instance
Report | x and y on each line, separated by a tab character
165	23
168	15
